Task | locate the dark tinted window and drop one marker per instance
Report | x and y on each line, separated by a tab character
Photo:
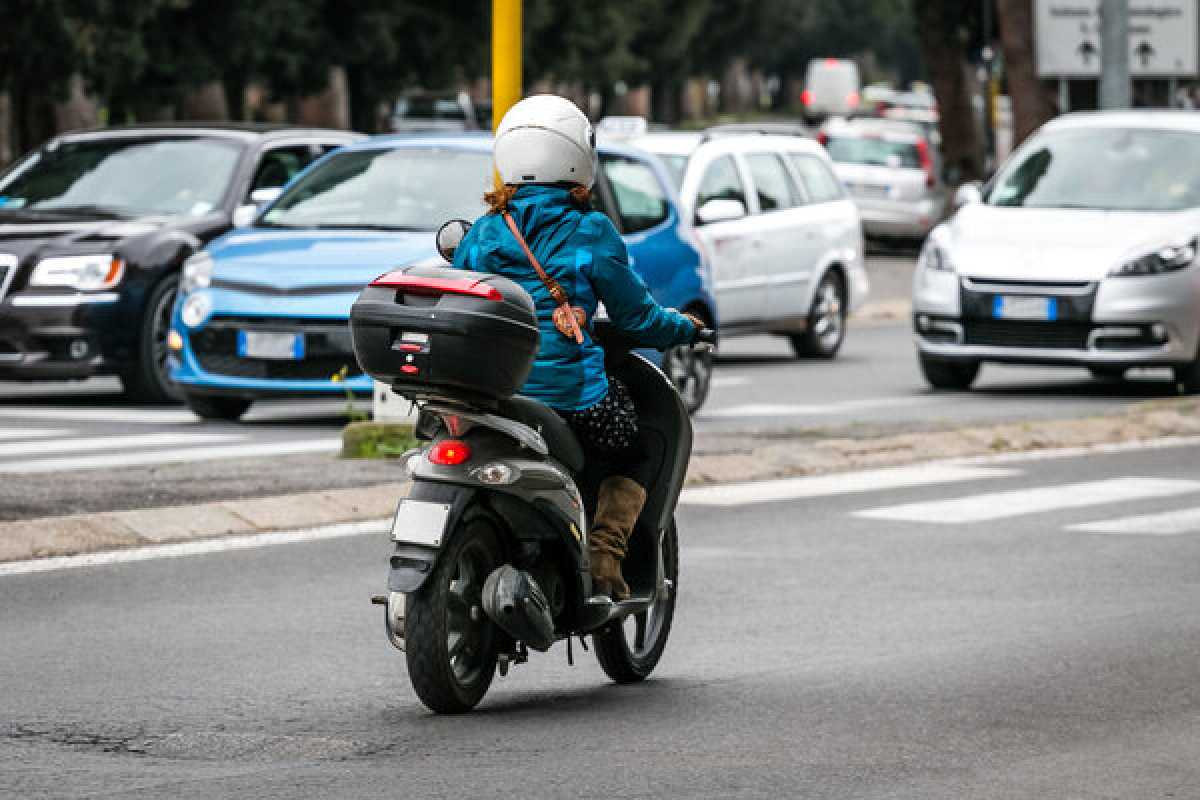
280	165
820	183
771	182
641	202
721	182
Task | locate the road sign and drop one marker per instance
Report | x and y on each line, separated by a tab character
1164	38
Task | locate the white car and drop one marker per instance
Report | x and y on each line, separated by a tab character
783	238
1082	251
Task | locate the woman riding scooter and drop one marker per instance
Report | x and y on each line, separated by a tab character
541	232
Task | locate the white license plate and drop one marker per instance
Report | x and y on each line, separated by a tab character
1022	307
274	346
420	522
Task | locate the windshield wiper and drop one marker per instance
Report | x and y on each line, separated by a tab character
367	227
107	212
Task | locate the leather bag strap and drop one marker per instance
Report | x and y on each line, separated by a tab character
557	293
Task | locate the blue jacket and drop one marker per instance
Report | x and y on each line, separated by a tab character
583	252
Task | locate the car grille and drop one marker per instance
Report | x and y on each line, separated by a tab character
1051	335
327	348
8	271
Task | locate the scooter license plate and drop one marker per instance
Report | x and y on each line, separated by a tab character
420	522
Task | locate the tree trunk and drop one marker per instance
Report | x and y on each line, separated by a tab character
6	129
330	108
207	102
943	50
79	110
1032	101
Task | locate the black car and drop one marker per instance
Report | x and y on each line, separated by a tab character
94	227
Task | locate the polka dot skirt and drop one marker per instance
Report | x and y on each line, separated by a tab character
611	426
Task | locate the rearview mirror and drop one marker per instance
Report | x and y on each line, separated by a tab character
720	209
968	194
450	236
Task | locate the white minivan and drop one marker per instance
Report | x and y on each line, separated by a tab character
832	87
784	240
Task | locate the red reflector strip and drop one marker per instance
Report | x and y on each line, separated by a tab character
409	369
449	452
410	348
432	287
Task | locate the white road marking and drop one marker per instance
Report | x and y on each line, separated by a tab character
68	414
202	547
182	455
1169	523
95	443
737	494
826	409
33	433
1018	502
727	381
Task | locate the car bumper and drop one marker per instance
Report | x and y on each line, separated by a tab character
888	218
1143	321
49	337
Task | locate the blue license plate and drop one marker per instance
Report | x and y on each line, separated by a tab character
1025	307
271	345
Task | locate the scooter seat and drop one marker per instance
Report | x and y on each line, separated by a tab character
554	429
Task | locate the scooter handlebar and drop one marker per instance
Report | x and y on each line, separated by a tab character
706	336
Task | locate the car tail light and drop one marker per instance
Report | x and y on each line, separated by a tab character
449	453
852	99
806	97
926	163
831	62
434	287
823	139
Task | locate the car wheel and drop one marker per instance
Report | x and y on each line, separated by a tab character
229	409
1107	373
149	379
952	375
690	368
826	329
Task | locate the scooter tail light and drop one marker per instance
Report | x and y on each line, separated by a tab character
435	287
449	453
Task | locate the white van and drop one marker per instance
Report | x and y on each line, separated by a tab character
832	87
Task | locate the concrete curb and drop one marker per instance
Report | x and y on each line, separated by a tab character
1155	421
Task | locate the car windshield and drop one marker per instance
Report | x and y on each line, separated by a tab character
873	151
403	189
124	176
676	167
1111	169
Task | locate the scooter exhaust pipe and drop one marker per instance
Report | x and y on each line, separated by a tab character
513	600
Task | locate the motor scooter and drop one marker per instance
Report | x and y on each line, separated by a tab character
490	547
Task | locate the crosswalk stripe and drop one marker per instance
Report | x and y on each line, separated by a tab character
32	433
998	505
737	494
95	443
139	415
825	409
1168	523
181	455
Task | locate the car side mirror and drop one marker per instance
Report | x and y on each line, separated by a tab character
968	194
450	236
720	209
244	215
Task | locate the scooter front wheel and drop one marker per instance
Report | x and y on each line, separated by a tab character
450	644
629	650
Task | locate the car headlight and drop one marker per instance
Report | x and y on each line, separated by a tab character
197	273
86	273
934	256
196	309
1168	259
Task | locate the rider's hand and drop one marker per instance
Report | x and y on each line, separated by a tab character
697	324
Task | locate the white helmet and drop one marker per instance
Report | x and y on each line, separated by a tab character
546	139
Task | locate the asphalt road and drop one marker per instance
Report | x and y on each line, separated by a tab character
1012	629
118	456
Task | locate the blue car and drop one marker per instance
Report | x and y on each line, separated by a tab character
263	311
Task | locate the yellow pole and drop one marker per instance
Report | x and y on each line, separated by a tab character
506	57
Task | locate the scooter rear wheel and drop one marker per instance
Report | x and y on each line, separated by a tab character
450	644
629	650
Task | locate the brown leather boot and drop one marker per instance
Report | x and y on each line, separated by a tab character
618	505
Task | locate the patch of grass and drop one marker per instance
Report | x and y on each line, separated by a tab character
377	440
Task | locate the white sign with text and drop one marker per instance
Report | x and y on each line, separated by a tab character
1164	38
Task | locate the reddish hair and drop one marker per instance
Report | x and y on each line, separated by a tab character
499	198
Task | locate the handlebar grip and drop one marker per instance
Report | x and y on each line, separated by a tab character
706	336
